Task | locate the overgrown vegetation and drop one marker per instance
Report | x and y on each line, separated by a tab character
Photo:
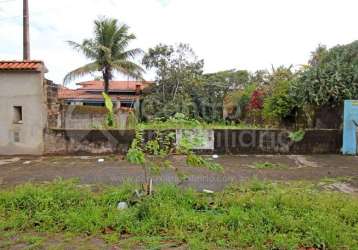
285	96
308	96
181	121
152	154
254	215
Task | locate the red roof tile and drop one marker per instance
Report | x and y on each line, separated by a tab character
21	65
65	93
113	85
91	90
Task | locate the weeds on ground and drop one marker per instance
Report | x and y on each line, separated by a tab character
254	215
153	155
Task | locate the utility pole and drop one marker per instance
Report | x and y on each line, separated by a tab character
26	33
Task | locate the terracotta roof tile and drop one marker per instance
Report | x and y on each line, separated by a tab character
114	85
71	94
21	65
91	90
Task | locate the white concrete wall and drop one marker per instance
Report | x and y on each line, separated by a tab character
22	89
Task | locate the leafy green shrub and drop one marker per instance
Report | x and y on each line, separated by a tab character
330	78
110	119
297	136
141	152
279	104
135	154
177	121
243	98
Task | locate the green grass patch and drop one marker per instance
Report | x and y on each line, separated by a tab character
255	215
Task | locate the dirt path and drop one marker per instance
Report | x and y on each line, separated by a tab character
114	170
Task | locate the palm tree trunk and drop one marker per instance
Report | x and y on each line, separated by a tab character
106	78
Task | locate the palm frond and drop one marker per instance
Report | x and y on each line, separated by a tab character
130	54
128	68
108	49
87	48
82	71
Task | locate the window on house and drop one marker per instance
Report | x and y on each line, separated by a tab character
16	137
17	114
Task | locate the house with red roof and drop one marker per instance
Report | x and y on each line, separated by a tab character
125	93
23	107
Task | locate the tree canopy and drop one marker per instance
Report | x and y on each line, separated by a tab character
177	70
330	77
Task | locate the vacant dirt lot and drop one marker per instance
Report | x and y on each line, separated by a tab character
114	170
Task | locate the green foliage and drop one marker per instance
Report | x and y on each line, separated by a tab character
242	98
297	136
132	120
181	86
194	160
110	119
108	102
186	146
151	155
330	78
180	121
108	52
279	104
253	215
209	96
135	156
135	153
190	139
177	70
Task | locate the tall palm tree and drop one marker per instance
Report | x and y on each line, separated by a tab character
108	52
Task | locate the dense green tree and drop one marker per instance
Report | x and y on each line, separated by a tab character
177	70
260	77
108	52
210	95
330	78
278	104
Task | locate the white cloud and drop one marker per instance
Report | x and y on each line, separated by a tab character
227	34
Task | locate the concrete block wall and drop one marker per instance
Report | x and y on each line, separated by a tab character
241	141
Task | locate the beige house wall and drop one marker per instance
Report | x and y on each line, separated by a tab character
24	89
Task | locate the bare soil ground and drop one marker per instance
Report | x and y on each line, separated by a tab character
114	170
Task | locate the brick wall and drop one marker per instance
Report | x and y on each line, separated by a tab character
53	105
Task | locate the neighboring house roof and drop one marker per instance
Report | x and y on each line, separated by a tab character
91	90
113	85
22	66
65	93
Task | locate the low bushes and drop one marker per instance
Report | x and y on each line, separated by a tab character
254	215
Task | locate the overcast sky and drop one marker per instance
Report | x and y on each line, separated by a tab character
227	34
